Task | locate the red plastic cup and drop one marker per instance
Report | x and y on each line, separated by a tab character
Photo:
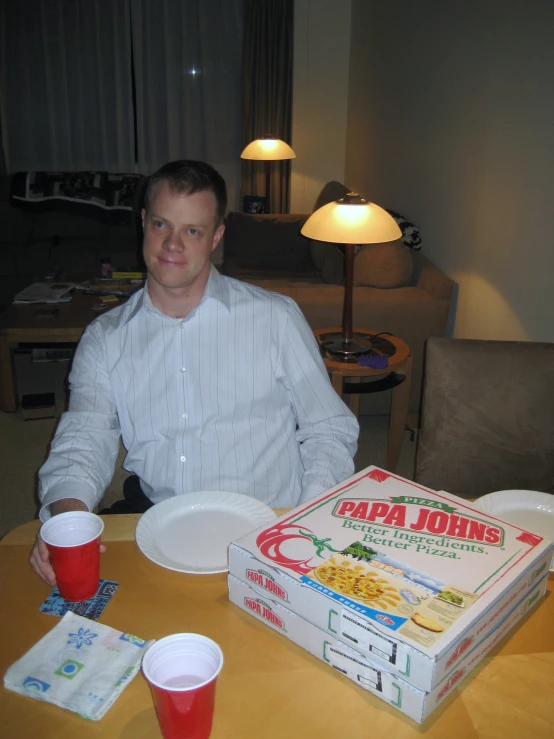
73	541
182	671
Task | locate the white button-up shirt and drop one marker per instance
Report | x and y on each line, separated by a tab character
234	397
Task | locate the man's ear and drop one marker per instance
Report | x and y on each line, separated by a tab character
142	217
217	236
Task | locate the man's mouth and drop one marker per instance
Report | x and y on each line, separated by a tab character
171	262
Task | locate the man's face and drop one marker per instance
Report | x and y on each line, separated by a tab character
179	235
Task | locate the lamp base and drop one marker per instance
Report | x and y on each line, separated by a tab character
337	344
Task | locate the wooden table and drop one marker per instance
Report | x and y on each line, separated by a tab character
268	687
400	365
25	324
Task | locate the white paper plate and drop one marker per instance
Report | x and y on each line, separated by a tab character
192	532
528	509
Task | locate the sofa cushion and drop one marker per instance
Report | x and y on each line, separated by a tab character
16	226
7	260
67	226
385	265
32	259
69	256
270	244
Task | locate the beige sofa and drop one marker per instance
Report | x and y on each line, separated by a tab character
269	251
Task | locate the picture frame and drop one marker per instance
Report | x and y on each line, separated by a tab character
254	204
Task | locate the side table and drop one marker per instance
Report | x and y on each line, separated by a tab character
348	377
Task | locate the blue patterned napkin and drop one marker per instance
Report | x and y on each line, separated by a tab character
79	665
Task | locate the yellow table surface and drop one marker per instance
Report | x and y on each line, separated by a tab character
268	687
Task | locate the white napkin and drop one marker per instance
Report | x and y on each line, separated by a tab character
80	665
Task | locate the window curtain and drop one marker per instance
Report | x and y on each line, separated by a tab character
267	92
3	168
65	85
187	57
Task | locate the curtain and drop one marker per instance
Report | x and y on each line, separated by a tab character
267	92
3	168
187	56
65	85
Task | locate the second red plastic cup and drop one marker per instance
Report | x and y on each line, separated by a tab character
182	671
73	541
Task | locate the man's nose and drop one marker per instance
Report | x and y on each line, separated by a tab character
173	243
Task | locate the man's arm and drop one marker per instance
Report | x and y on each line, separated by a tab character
327	430
82	458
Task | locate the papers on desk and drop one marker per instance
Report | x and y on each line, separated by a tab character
102	286
45	292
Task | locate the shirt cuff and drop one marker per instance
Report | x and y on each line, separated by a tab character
64	490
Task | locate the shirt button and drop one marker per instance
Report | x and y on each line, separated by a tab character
183	459
181	325
185	415
183	370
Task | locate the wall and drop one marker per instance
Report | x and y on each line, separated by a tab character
320	93
451	122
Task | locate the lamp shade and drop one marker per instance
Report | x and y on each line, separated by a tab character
351	220
268	149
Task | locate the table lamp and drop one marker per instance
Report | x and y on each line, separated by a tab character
268	149
350	221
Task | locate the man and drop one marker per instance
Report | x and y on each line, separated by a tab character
211	383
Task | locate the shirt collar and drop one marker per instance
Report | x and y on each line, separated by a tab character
216	288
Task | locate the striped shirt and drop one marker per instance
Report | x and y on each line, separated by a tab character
234	397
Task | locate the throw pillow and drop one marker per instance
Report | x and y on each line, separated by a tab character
332	191
326	257
318	250
383	265
332	270
410	233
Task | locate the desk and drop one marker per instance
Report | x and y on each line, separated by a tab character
21	324
397	376
268	687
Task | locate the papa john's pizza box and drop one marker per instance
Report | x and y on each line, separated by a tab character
407	576
393	689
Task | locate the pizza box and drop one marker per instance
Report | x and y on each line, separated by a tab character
403	574
393	689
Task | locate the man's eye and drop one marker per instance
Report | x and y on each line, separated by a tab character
194	231
157	224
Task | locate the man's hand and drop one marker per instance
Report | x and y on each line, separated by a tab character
40	558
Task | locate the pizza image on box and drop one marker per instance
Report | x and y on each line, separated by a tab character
359	582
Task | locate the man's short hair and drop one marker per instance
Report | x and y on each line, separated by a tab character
186	177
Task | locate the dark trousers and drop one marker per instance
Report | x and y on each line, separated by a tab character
135	501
